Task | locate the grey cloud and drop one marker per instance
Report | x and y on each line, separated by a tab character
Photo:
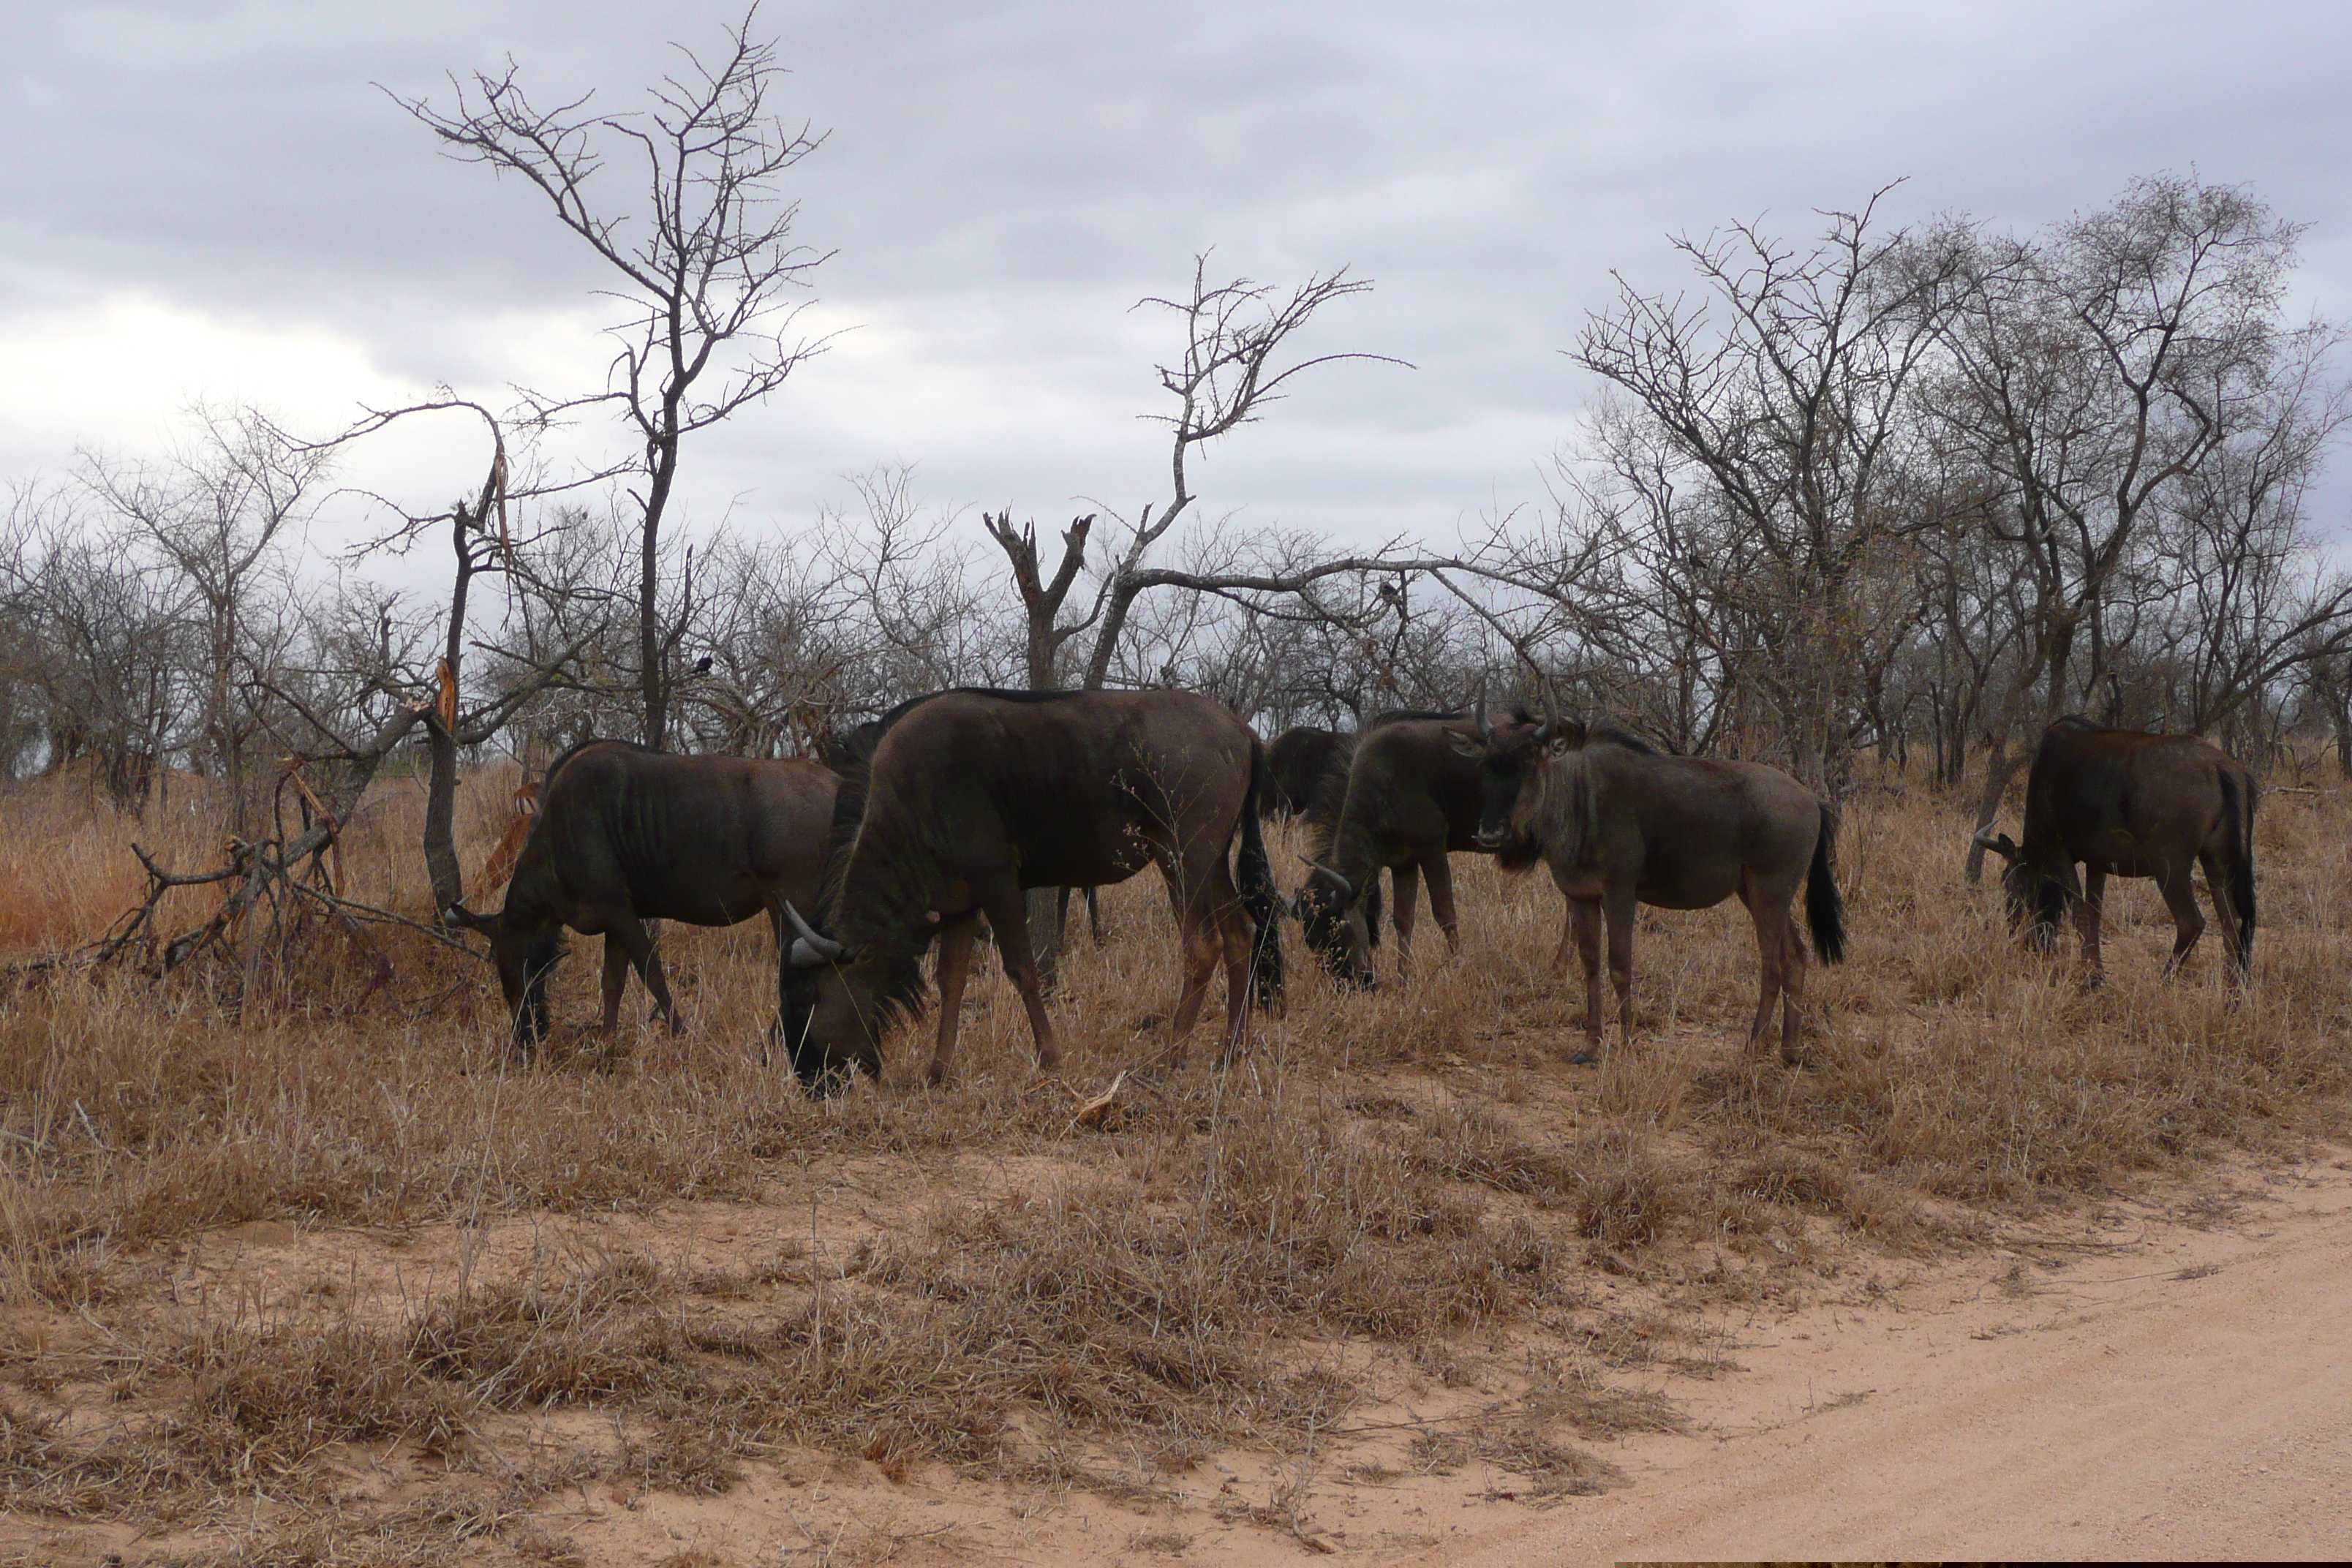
1002	182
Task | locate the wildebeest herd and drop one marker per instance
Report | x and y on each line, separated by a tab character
950	808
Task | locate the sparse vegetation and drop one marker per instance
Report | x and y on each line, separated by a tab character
454	1250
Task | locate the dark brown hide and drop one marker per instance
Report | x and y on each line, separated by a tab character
1620	826
974	797
2124	803
1308	770
625	835
1412	799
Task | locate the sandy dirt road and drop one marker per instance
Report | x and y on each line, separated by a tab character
2187	1393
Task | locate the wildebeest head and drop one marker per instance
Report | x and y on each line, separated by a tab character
834	1001
1511	757
524	952
1330	909
2036	897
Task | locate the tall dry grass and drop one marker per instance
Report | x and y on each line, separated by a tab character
1390	1168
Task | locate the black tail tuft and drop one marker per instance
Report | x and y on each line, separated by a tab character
1824	910
2238	854
1259	895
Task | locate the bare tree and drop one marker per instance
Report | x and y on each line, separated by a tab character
707	269
1233	364
1774	440
215	514
484	540
2093	373
1042	598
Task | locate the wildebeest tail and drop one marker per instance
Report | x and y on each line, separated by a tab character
1824	910
1259	895
2238	858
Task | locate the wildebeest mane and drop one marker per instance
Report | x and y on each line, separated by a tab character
1612	735
1567	815
1323	841
547	783
1405	715
899	987
579	746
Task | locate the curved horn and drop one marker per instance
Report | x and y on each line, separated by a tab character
1486	730
1555	717
818	949
1347	889
1984	839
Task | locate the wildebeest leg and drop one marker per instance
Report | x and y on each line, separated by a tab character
1405	881
1793	982
1094	916
1439	872
647	962
2181	898
2225	911
1617	910
1772	959
1198	938
1584	916
1234	927
2087	912
1008	919
616	980
955	963
1568	943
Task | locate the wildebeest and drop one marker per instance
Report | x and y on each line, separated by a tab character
1308	770
1410	800
2128	804
626	834
848	751
1620	824
975	796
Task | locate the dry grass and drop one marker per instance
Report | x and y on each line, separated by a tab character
1414	1168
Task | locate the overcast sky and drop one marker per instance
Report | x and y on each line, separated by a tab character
212	200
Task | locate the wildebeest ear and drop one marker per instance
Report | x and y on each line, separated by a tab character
464	919
1467	745
1560	746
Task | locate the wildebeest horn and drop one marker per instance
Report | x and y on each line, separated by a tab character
2000	846
1486	730
1555	721
1347	889
817	949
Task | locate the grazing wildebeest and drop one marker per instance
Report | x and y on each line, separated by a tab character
1410	800
626	834
1620	824
848	751
973	797
2128	804
1308	769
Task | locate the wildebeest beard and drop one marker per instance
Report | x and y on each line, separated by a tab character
2037	903
883	983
